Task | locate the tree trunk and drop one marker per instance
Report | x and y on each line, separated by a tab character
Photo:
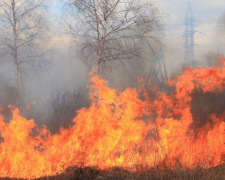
15	51
17	86
98	67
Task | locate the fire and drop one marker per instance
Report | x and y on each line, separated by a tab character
121	129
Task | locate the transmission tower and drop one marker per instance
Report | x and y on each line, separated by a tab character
189	58
158	73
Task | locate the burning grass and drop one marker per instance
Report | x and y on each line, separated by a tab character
146	138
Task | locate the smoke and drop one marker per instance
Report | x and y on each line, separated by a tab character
65	71
67	74
221	22
216	45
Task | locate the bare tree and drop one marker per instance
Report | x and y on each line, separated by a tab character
64	106
22	22
112	32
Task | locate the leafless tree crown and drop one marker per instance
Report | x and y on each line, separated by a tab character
21	25
112	32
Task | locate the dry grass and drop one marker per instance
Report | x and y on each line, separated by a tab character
142	173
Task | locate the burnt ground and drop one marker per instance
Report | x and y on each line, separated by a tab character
143	173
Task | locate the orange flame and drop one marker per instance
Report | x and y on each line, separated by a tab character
120	129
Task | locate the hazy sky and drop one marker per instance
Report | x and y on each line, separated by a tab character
209	38
67	71
209	35
210	31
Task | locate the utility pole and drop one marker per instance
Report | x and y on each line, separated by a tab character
158	72
189	57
